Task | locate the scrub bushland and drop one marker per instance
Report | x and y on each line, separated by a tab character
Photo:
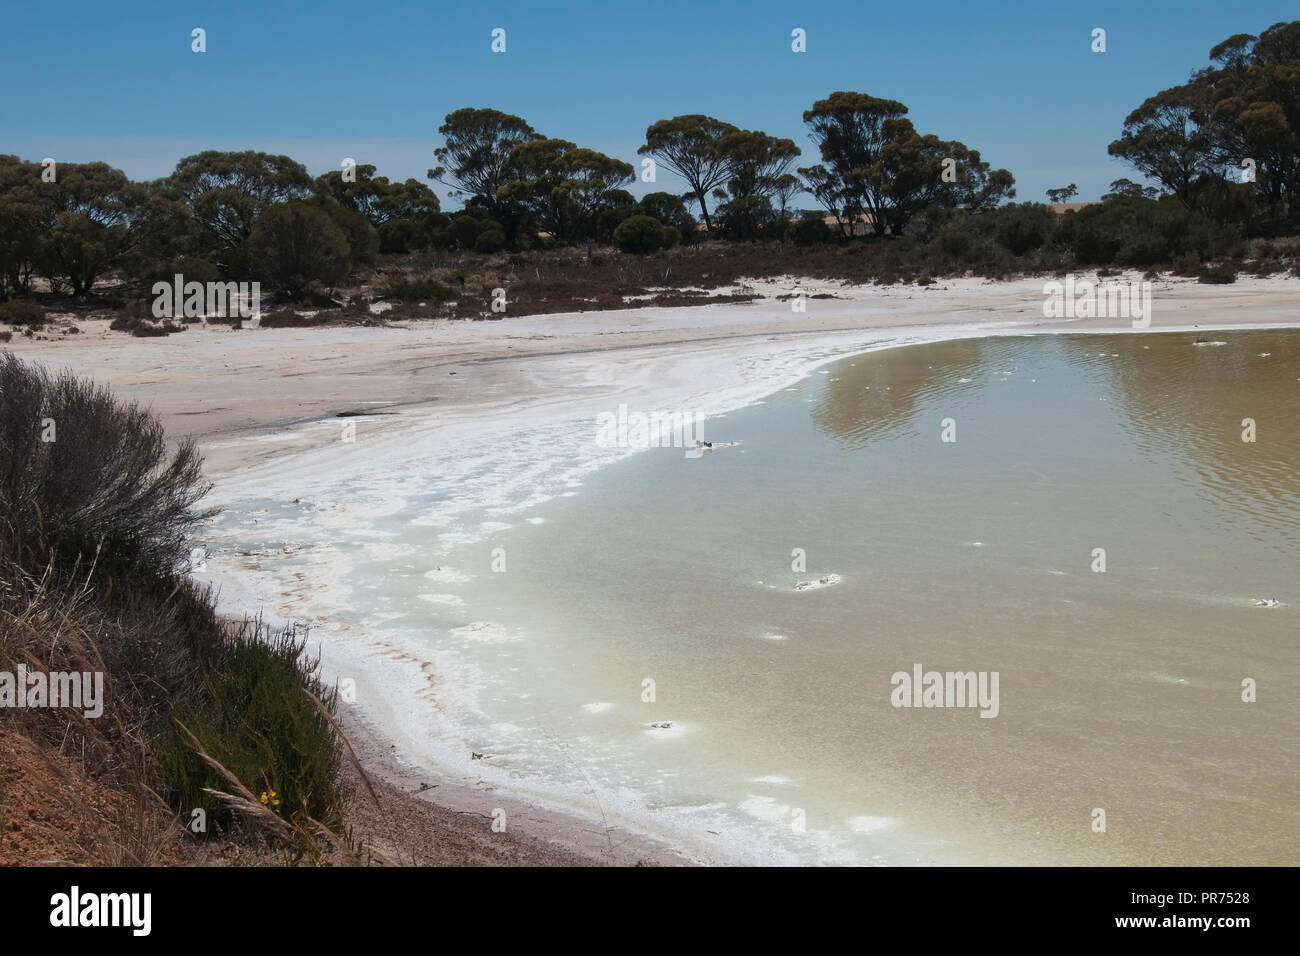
97	513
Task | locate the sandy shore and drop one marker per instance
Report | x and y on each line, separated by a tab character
247	396
267	407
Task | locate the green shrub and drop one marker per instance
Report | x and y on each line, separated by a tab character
296	244
669	210
808	232
363	240
95	529
128	317
289	319
418	290
1218	275
639	234
22	312
490	240
109	483
253	717
190	268
958	241
610	219
284	318
140	322
150	330
1147	248
1137	231
1021	228
463	231
397	236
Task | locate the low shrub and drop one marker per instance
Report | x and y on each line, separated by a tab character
147	330
1218	275
639	234
490	240
418	290
808	232
463	232
289	319
190	268
26	312
130	316
95	529
108	485
253	716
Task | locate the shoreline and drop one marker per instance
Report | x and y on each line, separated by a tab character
446	821
753	352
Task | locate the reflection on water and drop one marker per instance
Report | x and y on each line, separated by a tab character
1189	402
869	400
1184	400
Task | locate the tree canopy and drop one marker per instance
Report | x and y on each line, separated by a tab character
875	163
226	192
1233	123
694	147
474	159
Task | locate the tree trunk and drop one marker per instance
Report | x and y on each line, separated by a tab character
704	211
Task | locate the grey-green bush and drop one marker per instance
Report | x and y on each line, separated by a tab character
639	234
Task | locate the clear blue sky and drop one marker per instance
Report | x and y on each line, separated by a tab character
372	80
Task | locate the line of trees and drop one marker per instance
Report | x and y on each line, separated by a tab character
1223	148
1227	142
234	214
875	166
252	214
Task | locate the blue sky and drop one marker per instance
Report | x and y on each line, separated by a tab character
320	81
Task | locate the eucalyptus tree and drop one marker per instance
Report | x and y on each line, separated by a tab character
875	163
693	147
226	192
474	159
